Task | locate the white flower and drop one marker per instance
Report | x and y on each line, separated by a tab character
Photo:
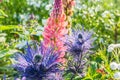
85	12
17	79
117	75
105	13
37	17
118	66
26	32
34	3
117	45
111	4
84	6
97	8
110	47
2	39
113	65
48	7
21	44
44	21
112	22
22	16
15	15
91	11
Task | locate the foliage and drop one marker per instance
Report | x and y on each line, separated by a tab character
100	17
19	11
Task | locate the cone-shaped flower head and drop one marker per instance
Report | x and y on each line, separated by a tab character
78	45
38	64
55	30
57	9
79	42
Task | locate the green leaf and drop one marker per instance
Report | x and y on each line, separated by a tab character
77	78
93	67
2	14
2	28
5	53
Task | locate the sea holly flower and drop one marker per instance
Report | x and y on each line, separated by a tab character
78	43
38	64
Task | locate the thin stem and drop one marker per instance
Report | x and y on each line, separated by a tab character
116	34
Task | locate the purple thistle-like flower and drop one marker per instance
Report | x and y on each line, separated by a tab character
78	45
79	42
38	64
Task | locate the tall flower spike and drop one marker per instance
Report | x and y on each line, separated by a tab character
78	45
38	64
68	9
55	30
57	10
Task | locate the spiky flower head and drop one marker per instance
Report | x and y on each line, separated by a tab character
78	43
38	64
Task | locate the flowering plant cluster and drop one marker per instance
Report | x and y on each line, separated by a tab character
115	67
47	61
55	30
63	53
38	64
78	43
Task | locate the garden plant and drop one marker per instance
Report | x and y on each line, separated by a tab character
59	39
